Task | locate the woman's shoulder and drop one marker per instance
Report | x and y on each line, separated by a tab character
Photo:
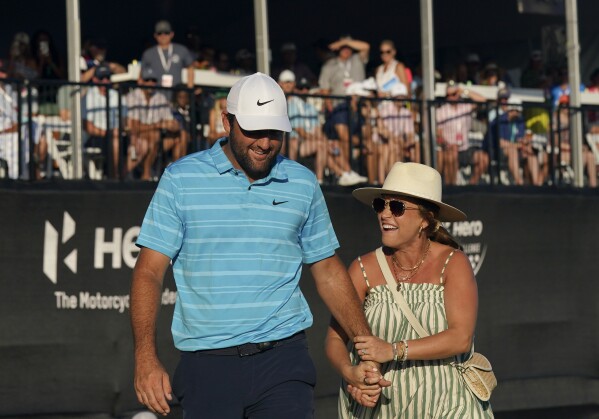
365	259
446	253
451	262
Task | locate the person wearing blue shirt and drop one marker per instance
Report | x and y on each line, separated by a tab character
237	222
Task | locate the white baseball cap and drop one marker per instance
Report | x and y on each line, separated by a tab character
286	75
258	103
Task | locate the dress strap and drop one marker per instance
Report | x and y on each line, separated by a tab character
363	272
445	266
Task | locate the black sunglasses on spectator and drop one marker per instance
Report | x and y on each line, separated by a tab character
398	208
154	80
163	33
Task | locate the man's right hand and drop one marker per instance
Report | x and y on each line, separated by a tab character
152	386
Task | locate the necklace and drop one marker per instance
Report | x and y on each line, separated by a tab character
411	271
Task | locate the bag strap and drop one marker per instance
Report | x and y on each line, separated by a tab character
401	301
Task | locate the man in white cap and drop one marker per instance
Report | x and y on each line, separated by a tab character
238	221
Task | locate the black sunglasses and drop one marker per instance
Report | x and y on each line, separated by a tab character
163	33
398	208
386	51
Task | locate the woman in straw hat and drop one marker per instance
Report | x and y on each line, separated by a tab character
424	263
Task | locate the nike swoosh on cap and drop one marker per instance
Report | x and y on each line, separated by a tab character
263	103
278	203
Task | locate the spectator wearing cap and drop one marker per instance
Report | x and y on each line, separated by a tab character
101	119
454	119
167	59
493	75
94	53
149	117
306	137
289	61
238	221
508	125
336	75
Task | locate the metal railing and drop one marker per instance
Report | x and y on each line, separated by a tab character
133	131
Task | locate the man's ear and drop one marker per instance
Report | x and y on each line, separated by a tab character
225	117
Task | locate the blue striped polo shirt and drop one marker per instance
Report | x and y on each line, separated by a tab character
237	248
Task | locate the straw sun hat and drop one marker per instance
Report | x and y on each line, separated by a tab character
414	180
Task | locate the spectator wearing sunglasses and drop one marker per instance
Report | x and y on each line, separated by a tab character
391	72
424	263
168	59
238	221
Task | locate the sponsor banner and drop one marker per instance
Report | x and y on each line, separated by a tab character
66	259
66	265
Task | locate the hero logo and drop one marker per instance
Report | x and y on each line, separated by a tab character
51	238
469	235
122	247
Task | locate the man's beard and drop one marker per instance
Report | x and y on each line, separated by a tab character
251	169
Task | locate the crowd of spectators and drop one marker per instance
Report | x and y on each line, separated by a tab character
352	117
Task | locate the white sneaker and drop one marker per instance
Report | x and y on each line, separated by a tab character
360	179
350	179
345	179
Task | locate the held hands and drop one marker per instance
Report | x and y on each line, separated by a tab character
365	383
372	348
152	386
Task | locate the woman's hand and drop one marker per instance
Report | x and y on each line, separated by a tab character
372	348
364	383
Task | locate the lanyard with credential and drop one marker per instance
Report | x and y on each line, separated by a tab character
166	64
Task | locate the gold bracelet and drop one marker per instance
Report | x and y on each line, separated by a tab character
404	355
394	346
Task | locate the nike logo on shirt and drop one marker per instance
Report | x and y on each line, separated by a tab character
263	103
278	203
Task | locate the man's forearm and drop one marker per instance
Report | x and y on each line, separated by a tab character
343	302
145	305
337	291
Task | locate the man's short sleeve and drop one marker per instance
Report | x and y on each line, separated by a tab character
186	57
324	81
162	227
318	239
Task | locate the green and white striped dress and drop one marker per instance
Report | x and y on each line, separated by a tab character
420	389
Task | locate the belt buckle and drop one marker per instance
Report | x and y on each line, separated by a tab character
248	349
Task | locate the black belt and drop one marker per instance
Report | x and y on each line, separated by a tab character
251	348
